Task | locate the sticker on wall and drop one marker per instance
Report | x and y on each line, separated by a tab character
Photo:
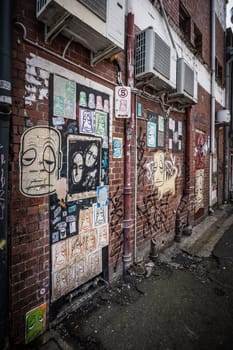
40	161
101	126
86	121
64	97
35	323
102	195
117	147
84	165
100	215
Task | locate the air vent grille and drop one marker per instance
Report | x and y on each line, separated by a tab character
162	53
98	7
140	52
188	80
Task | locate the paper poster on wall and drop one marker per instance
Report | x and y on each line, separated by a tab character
64	97
35	323
175	135
155	130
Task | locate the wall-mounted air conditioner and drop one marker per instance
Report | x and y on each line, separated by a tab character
99	25
186	84
154	62
223	116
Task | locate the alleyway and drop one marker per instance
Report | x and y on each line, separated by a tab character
184	302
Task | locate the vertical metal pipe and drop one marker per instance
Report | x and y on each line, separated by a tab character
129	128
212	112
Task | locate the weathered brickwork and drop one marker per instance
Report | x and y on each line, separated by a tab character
164	170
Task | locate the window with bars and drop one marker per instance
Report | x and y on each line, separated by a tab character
197	39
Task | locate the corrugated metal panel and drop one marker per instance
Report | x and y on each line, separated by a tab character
188	80
99	7
140	54
162	53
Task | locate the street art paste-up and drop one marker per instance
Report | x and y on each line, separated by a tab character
76	247
151	134
90	241
60	255
40	160
102	195
101	128
94	263
60	283
86	121
85	220
199	190
64	97
117	147
35	323
103	235
165	174
175	135
84	166
100	215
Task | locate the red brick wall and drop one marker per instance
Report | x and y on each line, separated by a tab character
154	217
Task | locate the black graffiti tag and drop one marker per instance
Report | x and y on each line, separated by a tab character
153	214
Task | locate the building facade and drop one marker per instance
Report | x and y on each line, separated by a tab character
112	146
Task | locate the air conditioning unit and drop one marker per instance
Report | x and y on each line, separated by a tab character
154	65
186	84
99	25
223	116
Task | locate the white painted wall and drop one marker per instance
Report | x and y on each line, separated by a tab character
145	15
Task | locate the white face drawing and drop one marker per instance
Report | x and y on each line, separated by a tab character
40	160
91	155
159	169
77	170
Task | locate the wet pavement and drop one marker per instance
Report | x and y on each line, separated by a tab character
182	300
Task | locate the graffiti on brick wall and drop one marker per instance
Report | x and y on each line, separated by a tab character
165	173
40	161
68	161
116	215
199	189
141	162
153	214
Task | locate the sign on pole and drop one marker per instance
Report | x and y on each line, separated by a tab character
122	102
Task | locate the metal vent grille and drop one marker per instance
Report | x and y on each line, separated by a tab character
162	54
140	54
98	7
188	80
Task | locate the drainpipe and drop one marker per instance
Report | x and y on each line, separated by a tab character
5	112
226	132
129	127
212	112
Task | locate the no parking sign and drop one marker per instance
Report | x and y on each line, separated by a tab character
122	102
